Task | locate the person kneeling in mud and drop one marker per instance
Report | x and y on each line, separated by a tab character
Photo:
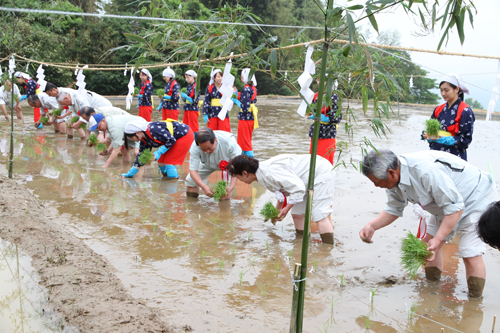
209	152
287	175
452	190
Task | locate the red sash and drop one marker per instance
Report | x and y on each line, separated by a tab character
453	129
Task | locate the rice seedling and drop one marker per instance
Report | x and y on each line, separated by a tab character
189	243
367	321
183	90
203	254
100	147
73	120
234	249
290	255
44	120
250	236
411	311
57	112
333	302
215	238
231	226
342	279
372	294
92	141
267	246
83	126
219	191
221	264
414	254
146	157
262	289
252	261
241	275
326	326
315	264
432	128
269	212
277	267
199	230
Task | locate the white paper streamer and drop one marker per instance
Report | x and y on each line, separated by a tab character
305	80
80	81
336	84
494	95
27	66
286	74
12	66
41	77
125	71
226	90
131	85
411	82
76	70
1	73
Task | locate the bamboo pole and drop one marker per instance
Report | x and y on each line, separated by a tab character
493	327
312	171
295	299
11	153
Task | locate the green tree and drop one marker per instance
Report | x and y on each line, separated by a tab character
474	103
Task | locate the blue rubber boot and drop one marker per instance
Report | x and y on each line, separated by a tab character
171	171
248	153
162	169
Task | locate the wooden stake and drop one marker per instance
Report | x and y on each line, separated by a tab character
442	330
493	327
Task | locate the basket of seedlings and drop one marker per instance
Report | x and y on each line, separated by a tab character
219	191
414	254
432	129
269	212
92	141
146	157
100	147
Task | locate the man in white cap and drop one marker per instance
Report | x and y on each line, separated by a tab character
456	118
190	98
170	101
115	125
210	151
31	88
145	95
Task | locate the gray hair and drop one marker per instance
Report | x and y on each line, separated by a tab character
61	96
203	135
378	163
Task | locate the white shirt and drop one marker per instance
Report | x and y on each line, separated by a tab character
49	103
6	96
109	111
289	174
116	130
442	183
226	149
79	101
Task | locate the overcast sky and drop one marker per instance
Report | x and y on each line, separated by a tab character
483	39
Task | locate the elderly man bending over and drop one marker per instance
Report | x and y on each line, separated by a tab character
452	190
208	150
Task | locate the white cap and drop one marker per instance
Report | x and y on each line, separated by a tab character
192	73
169	72
456	80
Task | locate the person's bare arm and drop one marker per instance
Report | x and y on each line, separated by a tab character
197	179
382	220
112	157
447	225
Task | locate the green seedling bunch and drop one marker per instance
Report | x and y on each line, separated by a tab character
146	157
57	112
93	140
269	212
100	147
184	90
160	92
44	120
83	126
219	190
74	120
432	127
414	254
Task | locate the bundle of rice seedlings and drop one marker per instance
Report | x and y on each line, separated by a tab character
269	212
184	90
57	112
100	147
93	140
44	120
73	120
219	190
414	254
146	157
432	128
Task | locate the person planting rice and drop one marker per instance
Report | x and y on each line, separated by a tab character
170	101
31	88
107	111
287	175
190	98
145	95
6	99
173	140
247	117
452	190
327	128
210	151
46	103
115	125
212	105
456	118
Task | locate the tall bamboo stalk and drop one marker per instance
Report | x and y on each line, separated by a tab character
312	172
11	154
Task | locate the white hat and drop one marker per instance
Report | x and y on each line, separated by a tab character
169	72
23	75
139	125
244	73
214	71
192	73
456	80
148	74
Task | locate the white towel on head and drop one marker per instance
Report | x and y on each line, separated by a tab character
214	71
23	75
139	125
169	72
456	80
148	74
244	73
192	73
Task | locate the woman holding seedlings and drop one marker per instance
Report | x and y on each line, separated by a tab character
247	117
327	128
287	175
173	140
191	97
212	105
145	93
456	118
170	102
6	99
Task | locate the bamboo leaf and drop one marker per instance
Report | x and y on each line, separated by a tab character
445	15
135	38
422	18
351	27
355	7
274	62
471	17
371	17
346	51
364	93
157	39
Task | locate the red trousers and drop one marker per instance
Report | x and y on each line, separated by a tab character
245	130
179	150
326	148
216	124
191	119
169	114
145	112
36	114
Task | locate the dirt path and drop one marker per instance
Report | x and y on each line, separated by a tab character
82	286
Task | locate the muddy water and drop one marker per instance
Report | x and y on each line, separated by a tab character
217	267
23	303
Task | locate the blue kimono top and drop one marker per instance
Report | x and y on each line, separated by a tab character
172	88
328	131
247	96
191	92
146	91
212	93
